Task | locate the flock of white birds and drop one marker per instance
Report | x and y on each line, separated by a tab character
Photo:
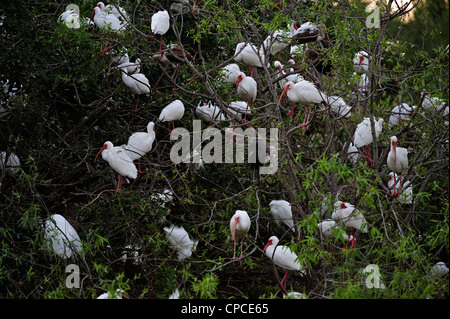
345	219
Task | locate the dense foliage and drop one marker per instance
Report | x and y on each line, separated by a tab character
63	99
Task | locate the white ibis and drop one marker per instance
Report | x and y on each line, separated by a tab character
439	269
338	106
106	21
303	92
9	163
309	32
283	257
71	18
351	218
62	237
249	54
116	11
176	293
295	77
160	24
246	88
361	62
131	67
239	109
140	143
209	112
276	41
230	73
119	161
172	112
282	212
435	104
397	160
394	184
352	153
399	113
363	135
362	85
179	240
138	84
239	226
329	228
118	294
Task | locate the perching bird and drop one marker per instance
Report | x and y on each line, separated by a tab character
118	11
283	257
282	212
131	67
338	106
246	88
239	110
179	240
276	41
352	153
160	24
249	54
138	84
209	112
172	112
239	227
140	143
435	104
329	228
295	77
61	236
351	218
395	184
303	92
397	160
70	18
10	163
309	32
108	22
230	73
399	113
361	62
363	135
119	161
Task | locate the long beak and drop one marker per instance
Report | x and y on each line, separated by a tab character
238	81
281	96
268	244
101	150
395	151
92	16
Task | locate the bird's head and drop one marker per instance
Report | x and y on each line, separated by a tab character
105	146
239	78
269	243
361	59
287	87
343	206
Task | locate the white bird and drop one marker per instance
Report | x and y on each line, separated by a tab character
395	184
138	84
329	228
435	104
246	88
397	160
140	143
282	212
118	294
179	240
160	24
399	113
363	135
70	18
303	92
351	218
308	32
230	73
362	84
239	109
112	9
62	237
439	268
172	112
131	67
239	227
295	77
209	112
175	294
283	257
9	163
361	62
119	161
106	21
352	153
276	41
249	54
338	106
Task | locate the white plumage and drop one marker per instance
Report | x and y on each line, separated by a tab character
338	106
283	257
140	143
239	227
349	217
397	159
399	113
106	21
435	104
282	212
119	161
363	133
239	108
246	87
303	92
172	112
11	165
209	112
230	73
160	22
276	41
179	240
352	153
62	237
138	83
361	62
113	10
249	54
329	228
131	67
395	185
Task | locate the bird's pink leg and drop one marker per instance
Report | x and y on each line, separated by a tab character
136	108
303	126
119	183
291	112
242	244
168	125
234	236
245	115
160	45
139	167
283	281
251	74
